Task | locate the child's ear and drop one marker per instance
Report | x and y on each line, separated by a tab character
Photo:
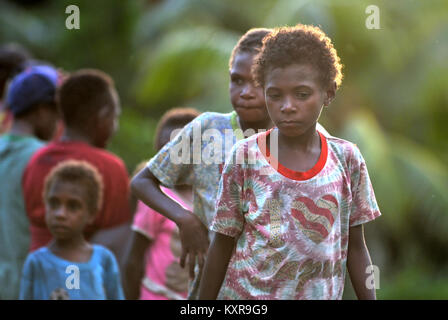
330	94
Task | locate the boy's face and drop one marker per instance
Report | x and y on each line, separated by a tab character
295	97
66	210
247	99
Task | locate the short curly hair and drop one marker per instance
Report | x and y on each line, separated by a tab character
250	42
174	118
301	44
80	173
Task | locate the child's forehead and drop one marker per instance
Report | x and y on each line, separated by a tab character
67	187
243	59
299	73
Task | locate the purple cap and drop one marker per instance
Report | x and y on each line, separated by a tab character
36	84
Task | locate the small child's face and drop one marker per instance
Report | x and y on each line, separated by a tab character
294	98
66	210
247	99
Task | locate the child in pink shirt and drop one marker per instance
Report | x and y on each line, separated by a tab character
156	240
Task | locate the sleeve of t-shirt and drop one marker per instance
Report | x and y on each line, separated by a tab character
229	218
112	281
364	207
173	164
26	282
147	221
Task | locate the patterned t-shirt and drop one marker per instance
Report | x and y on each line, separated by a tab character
200	162
291	227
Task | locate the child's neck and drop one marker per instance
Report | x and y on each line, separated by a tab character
73	249
299	153
307	141
71	134
21	128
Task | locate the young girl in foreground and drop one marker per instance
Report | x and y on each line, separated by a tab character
289	225
69	267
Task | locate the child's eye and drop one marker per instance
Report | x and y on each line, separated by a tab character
53	203
237	81
273	96
302	95
73	205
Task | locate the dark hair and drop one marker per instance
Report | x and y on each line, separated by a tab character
83	94
174	118
301	44
12	61
250	42
79	173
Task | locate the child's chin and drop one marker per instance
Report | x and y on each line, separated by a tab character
252	114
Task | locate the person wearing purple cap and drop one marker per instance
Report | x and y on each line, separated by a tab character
31	99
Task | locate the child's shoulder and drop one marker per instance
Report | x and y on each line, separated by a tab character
344	149
214	119
38	255
102	253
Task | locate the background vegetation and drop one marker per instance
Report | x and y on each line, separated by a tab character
393	101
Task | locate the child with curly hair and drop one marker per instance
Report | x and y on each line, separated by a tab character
288	223
69	267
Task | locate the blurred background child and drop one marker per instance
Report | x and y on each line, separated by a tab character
13	60
153	269
31	99
69	267
90	108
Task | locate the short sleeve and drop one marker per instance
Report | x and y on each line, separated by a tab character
229	218
364	207
173	164
147	221
112	281
26	282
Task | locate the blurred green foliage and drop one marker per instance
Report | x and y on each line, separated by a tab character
392	103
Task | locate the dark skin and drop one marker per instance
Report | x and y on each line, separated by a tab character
248	101
96	132
66	216
39	122
294	98
134	269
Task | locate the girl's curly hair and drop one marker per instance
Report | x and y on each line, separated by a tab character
301	44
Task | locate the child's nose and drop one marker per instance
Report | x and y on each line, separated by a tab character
288	105
248	91
60	212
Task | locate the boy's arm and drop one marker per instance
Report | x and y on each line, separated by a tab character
135	265
358	259
215	269
193	233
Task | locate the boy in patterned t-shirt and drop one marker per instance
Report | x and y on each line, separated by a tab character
287	228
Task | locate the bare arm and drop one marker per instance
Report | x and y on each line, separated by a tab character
218	258
135	264
193	234
358	260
